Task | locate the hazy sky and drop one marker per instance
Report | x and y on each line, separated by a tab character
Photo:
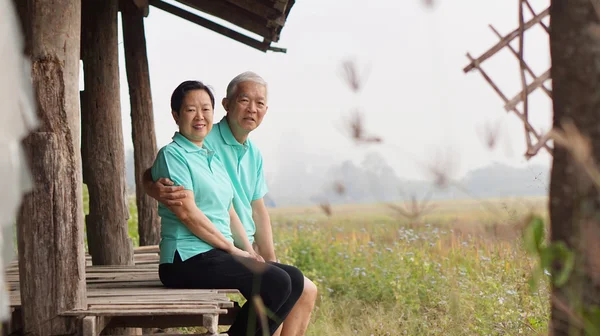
416	96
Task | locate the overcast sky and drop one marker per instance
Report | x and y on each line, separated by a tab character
416	96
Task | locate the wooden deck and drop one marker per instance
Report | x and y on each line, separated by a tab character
133	296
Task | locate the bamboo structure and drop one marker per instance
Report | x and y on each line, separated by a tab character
537	82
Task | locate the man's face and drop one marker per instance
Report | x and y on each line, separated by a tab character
248	107
195	117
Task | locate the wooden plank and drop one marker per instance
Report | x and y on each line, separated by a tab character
124	284
147	249
505	40
140	305
159	321
143	312
159	300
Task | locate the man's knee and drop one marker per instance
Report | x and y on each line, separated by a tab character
310	292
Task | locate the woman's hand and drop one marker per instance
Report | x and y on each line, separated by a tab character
245	254
256	256
236	252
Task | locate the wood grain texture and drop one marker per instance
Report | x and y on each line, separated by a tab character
102	137
50	222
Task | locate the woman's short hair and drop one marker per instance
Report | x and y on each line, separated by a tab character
185	87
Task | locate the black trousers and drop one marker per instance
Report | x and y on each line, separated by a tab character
278	285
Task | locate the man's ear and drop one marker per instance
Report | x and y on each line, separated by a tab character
175	117
225	103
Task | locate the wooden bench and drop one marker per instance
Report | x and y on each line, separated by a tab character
133	296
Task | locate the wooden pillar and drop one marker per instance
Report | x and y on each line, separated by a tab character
142	117
50	223
574	205
103	152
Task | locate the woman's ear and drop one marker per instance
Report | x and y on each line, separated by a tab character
175	117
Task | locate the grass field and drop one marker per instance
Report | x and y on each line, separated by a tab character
458	270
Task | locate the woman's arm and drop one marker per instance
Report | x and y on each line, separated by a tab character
169	163
195	220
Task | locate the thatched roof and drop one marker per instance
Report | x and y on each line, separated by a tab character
265	18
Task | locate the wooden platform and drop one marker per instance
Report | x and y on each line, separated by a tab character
133	296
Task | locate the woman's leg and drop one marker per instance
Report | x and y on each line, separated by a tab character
218	269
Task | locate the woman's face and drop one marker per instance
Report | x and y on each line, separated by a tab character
195	119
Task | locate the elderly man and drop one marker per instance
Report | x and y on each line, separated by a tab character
245	106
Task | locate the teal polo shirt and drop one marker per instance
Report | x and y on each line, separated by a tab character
244	165
201	171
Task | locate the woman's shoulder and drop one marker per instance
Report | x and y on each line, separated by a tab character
170	148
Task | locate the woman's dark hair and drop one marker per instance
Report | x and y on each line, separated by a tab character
184	88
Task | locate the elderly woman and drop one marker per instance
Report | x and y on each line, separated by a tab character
203	240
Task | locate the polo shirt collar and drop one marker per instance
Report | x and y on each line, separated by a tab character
227	135
189	146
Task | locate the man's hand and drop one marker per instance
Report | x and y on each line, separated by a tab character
165	192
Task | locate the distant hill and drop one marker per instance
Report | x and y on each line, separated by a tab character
308	181
375	181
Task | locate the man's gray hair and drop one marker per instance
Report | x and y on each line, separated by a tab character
247	76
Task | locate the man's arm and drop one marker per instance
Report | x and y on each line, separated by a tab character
264	233
239	234
162	190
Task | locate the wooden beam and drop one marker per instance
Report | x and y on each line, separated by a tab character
505	40
538	82
142	118
281	5
262	46
240	17
257	8
50	221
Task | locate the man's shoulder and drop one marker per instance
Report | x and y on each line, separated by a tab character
213	139
253	149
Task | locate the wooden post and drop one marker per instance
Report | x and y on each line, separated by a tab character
103	152
574	206
142	117
50	223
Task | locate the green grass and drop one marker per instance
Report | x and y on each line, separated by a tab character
452	273
459	270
